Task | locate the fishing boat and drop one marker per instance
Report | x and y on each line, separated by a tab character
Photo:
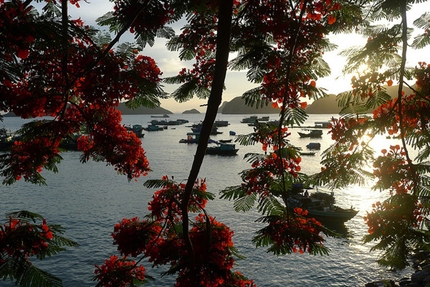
224	149
320	205
169	122
252	120
193	138
308	133
313	145
307	153
153	128
221	123
196	128
136	129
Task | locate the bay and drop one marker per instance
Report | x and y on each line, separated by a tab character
89	199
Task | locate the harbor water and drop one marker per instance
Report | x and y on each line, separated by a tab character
89	199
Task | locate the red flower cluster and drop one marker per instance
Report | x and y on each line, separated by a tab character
265	171
85	100
392	171
213	259
149	16
293	233
161	240
118	272
166	201
135	236
22	239
401	212
14	16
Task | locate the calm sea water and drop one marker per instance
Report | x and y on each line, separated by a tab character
89	199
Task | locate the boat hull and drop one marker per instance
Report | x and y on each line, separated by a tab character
330	214
214	151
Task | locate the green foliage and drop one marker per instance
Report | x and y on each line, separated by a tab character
17	266
168	183
354	103
176	44
242	201
253	98
188	89
397	213
422	40
26	274
342	168
295	117
290	236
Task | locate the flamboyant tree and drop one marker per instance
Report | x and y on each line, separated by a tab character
57	67
399	224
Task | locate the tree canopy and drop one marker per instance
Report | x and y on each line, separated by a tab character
69	78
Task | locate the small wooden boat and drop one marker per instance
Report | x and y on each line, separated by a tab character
223	149
169	122
193	138
307	153
198	127
307	133
320	205
137	129
253	119
153	128
313	146
220	123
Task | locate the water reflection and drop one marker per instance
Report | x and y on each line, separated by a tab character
338	228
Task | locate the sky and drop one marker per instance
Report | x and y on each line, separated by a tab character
236	82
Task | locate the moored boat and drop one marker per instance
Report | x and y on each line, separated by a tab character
313	145
193	138
224	149
169	122
309	153
221	123
152	128
137	129
308	133
320	205
196	128
254	119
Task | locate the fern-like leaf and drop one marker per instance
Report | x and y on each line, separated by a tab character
25	274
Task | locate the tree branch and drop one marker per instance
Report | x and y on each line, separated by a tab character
222	53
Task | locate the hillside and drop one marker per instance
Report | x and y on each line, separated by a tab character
329	105
142	110
237	106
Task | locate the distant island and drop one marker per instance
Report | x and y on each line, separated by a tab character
142	110
327	105
192	111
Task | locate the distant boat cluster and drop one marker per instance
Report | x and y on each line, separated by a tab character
218	147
